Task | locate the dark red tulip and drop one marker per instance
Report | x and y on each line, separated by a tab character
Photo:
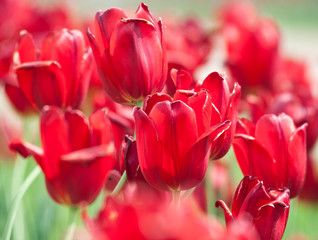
130	54
267	209
60	74
275	151
174	138
77	154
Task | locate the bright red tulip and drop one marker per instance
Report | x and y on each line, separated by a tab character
130	54
227	105
60	74
274	152
267	209
174	138
76	156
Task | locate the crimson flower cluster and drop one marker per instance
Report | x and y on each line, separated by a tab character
154	130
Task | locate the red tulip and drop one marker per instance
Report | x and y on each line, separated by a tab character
130	54
227	105
60	75
146	218
275	151
252	51
267	209
174	137
76	154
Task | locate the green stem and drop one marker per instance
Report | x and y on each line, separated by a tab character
16	201
120	184
139	104
71	230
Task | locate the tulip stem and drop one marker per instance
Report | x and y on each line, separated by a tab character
16	201
120	184
71	229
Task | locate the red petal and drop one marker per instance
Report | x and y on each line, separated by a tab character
67	48
297	161
253	158
218	90
152	100
26	149
87	155
79	133
54	138
26	48
105	23
42	83
150	151
101	128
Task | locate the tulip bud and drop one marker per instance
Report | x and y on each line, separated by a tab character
130	54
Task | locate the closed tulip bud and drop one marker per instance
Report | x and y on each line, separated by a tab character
130	54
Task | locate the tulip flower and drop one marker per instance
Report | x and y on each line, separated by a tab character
174	138
59	75
145	217
76	155
252	51
273	150
226	104
267	209
130	54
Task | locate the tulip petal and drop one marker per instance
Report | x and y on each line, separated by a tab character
105	23
151	101
218	89
27	149
79	134
297	159
54	138
253	158
227	212
42	83
101	128
26	48
67	48
149	150
176	126
88	155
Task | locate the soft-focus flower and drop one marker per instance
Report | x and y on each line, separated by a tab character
77	154
252	52
130	54
266	209
146	218
273	150
174	138
60	74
